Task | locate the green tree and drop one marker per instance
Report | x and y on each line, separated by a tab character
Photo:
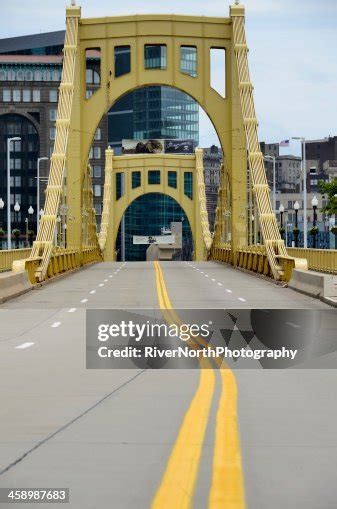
330	189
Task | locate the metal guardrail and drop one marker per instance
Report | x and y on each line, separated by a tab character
255	259
8	256
320	260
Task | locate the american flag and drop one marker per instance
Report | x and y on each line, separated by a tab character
284	143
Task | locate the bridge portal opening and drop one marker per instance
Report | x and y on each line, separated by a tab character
148	216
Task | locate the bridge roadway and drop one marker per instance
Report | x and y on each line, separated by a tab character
108	434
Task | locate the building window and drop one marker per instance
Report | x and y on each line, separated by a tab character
98	209
6	96
119	185
17	96
20	76
36	96
97	190
11	75
172	179
53	96
52	132
97	153
26	96
188	60
16	145
16	181
154	177
136	179
122	60
28	76
188	184
37	76
97	171
2	75
52	115
88	94
98	134
15	164
155	56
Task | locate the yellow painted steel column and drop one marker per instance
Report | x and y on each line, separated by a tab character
238	165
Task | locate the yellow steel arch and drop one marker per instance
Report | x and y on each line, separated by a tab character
114	207
233	116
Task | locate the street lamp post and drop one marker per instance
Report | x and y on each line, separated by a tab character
273	158
314	203
304	175
296	231
38	189
281	211
30	212
9	226
2	204
16	219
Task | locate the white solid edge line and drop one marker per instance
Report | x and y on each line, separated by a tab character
55	324
24	345
71	310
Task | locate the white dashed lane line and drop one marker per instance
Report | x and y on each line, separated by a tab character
83	301
92	292
24	345
71	310
228	291
242	299
55	324
101	285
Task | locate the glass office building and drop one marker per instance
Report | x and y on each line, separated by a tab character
146	216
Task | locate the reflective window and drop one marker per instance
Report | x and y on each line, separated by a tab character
28	76
20	76
6	96
98	134
52	132
97	190
122	60
36	96
188	184
11	75
155	56
172	179
52	114
97	171
154	177
136	179
188	60
26	96
97	152
3	75
53	96
119	185
16	95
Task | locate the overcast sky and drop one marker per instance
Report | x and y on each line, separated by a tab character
292	53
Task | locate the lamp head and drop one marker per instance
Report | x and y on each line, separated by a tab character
296	205
314	202
17	207
281	208
30	210
2	204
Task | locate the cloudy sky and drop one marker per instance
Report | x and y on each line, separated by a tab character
292	53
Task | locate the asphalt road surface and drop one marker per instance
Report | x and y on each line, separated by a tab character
184	438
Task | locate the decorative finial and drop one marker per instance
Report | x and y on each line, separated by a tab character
237	2
73	3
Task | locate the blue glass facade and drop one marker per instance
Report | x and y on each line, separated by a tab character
146	216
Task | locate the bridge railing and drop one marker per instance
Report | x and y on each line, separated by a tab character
320	260
8	256
60	261
254	259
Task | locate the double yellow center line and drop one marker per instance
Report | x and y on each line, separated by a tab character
177	487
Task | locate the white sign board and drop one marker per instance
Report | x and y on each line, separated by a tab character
154	239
